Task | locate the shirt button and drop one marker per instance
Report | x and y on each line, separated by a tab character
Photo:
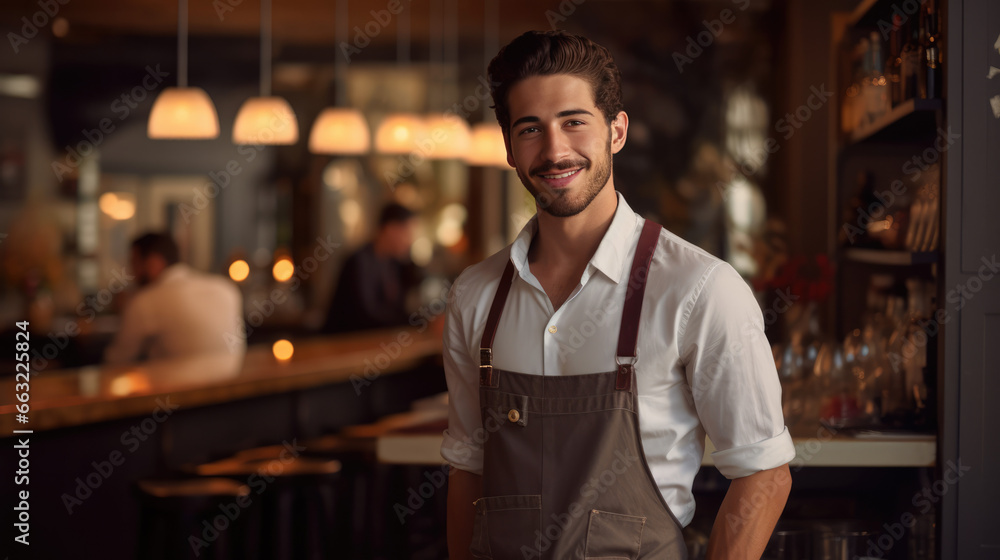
513	415
553	329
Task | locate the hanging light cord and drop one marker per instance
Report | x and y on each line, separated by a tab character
182	39
403	37
339	68
265	48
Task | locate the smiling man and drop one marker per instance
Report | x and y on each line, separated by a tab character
587	361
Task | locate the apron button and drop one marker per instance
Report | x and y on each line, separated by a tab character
513	415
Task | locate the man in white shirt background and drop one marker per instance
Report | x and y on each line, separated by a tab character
178	312
701	363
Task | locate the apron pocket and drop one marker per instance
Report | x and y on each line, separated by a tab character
505	524
613	536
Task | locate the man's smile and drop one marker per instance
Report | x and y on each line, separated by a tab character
561	175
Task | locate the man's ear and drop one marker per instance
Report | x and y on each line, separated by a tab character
619	131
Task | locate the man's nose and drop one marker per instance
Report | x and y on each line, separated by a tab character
555	146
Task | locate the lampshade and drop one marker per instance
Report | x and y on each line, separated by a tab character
399	133
449	136
339	130
486	147
183	113
265	120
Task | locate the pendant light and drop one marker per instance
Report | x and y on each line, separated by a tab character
340	130
182	112
448	133
266	119
487	147
398	133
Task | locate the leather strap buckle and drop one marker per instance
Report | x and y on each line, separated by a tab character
486	378
623	379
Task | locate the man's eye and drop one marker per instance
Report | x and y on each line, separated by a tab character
528	130
575	123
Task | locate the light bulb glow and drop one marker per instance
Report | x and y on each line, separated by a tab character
283	350
239	270
266	120
183	113
283	270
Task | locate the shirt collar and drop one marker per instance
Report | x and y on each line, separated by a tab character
610	254
174	271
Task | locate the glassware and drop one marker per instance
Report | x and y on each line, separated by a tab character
922	540
844	545
788	545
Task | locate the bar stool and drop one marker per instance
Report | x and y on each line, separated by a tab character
361	486
297	498
193	518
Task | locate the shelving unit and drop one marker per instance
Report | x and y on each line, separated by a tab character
881	148
891	258
910	115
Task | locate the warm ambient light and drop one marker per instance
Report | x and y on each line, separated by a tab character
486	147
129	384
118	206
183	113
398	134
239	270
283	350
340	131
449	230
283	269
449	136
266	120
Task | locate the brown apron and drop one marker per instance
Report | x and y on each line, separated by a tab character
564	473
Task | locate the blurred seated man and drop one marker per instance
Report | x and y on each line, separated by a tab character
178	311
374	282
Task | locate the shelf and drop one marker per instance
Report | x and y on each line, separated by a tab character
890	258
906	118
818	451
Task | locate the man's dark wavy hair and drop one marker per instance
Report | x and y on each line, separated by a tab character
544	53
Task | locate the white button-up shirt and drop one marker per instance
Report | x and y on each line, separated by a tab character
704	364
184	313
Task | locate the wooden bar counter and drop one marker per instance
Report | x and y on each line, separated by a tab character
65	398
95	432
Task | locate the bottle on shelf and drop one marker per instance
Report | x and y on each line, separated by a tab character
930	42
876	96
893	64
911	63
854	108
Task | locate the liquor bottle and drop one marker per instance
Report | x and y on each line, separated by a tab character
876	100
893	64
930	41
911	63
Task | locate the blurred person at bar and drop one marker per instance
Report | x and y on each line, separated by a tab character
588	360
375	281
178	312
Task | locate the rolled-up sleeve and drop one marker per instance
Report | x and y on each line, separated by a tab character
730	370
461	448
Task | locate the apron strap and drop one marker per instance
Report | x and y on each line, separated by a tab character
628	334
486	376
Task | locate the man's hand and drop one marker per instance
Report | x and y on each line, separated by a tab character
748	515
463	489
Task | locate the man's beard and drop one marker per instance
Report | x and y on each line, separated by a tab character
557	202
